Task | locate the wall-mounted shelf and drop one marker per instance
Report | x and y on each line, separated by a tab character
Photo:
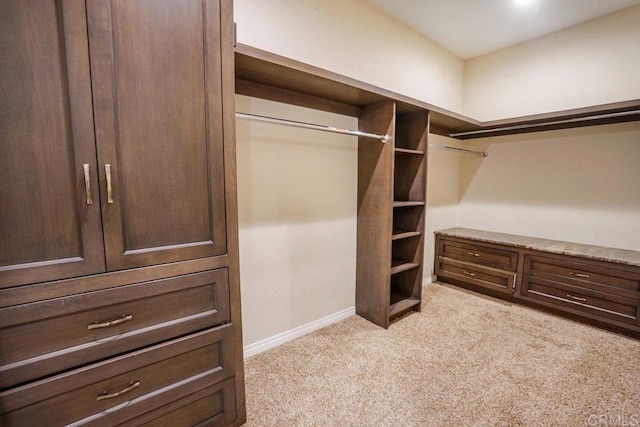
269	76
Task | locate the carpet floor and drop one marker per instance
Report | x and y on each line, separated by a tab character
465	360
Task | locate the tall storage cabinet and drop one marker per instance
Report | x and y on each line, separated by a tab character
119	281
391	212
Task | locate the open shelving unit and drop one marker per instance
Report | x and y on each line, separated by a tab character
391	213
392	175
409	204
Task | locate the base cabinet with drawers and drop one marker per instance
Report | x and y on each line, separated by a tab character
563	277
600	291
489	266
118	389
119	273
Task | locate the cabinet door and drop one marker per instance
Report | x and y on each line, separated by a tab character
157	96
48	228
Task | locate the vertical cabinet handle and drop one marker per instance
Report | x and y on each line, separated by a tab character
107	171
87	183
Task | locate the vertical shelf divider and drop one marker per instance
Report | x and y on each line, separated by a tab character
375	195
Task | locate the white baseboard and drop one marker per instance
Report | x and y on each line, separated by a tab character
427	281
276	340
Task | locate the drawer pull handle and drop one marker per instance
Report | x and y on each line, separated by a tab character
473	253
577	298
468	273
584	276
104	396
100	325
107	172
87	183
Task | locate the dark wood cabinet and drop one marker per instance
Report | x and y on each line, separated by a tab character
489	266
562	277
43	337
118	219
143	380
596	290
213	406
156	73
50	224
157	105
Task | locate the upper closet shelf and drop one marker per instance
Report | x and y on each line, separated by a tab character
265	75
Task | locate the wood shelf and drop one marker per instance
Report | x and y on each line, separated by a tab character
398	266
265	75
405	204
404	234
408	151
402	305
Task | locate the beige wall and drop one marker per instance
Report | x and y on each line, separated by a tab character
443	184
580	185
577	185
297	201
589	64
357	40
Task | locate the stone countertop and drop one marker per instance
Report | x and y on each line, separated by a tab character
601	253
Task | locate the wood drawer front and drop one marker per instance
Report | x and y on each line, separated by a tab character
165	373
478	254
212	406
596	277
490	278
597	304
42	338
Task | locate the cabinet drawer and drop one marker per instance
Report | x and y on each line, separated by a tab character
597	304
119	389
45	337
596	277
213	406
487	277
478	254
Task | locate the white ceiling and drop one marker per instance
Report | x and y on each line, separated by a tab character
470	28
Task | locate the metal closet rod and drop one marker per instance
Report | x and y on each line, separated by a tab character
459	150
383	138
323	128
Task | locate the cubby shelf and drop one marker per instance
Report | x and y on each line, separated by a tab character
398	266
402	305
408	151
404	234
405	204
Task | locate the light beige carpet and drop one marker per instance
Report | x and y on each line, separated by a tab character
465	360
